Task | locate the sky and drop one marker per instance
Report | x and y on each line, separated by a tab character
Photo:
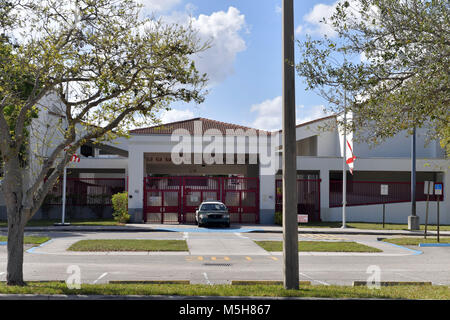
244	64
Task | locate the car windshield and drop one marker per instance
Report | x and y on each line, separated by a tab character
213	207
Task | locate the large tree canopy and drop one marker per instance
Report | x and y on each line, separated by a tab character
107	65
393	59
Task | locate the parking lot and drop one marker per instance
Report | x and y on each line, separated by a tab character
224	255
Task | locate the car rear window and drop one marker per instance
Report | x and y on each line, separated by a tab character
213	207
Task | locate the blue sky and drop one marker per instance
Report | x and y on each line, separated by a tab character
244	63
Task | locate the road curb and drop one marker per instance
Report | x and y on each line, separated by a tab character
395	283
145	229
434	244
365	232
164	297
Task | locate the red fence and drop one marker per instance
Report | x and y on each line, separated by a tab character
308	197
175	199
360	193
241	196
162	199
86	191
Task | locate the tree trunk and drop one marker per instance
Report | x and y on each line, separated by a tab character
13	194
16	228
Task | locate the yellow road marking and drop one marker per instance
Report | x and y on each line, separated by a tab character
213	258
274	258
200	258
248	258
226	258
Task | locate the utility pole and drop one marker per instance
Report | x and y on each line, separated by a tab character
290	224
413	219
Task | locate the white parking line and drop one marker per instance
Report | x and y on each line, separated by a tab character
206	278
185	235
321	282
102	276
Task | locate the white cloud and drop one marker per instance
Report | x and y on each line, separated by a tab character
324	11
299	30
223	29
269	114
316	15
176	115
158	5
278	9
306	114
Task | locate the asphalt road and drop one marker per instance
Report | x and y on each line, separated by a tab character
220	257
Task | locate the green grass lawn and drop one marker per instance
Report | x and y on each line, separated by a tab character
129	245
320	246
29	240
391	292
415	241
370	226
49	223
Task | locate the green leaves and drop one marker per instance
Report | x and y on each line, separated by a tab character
403	79
95	66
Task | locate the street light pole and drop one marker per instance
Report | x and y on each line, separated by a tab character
413	219
290	224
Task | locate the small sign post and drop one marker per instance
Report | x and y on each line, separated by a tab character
428	189
384	191
302	218
438	193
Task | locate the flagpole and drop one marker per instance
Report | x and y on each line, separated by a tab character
344	169
64	196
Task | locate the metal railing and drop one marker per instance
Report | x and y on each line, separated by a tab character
360	193
86	191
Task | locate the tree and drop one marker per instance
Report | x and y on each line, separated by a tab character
109	68
396	65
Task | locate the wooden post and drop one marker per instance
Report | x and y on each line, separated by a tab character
290	225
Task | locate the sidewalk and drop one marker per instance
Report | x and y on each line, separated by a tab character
235	228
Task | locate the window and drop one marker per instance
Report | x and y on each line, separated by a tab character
213	207
87	151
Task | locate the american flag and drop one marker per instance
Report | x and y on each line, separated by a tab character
75	157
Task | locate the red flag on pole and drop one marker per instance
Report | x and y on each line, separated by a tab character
350	161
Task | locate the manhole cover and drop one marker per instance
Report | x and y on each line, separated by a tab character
217	264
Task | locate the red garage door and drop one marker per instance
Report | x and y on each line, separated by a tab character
195	191
308	197
175	199
162	199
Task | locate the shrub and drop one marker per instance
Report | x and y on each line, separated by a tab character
279	218
120	206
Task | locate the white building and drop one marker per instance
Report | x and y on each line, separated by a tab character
241	166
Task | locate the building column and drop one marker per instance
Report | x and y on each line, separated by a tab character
324	195
266	199
135	185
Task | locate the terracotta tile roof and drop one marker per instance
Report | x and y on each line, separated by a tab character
168	128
